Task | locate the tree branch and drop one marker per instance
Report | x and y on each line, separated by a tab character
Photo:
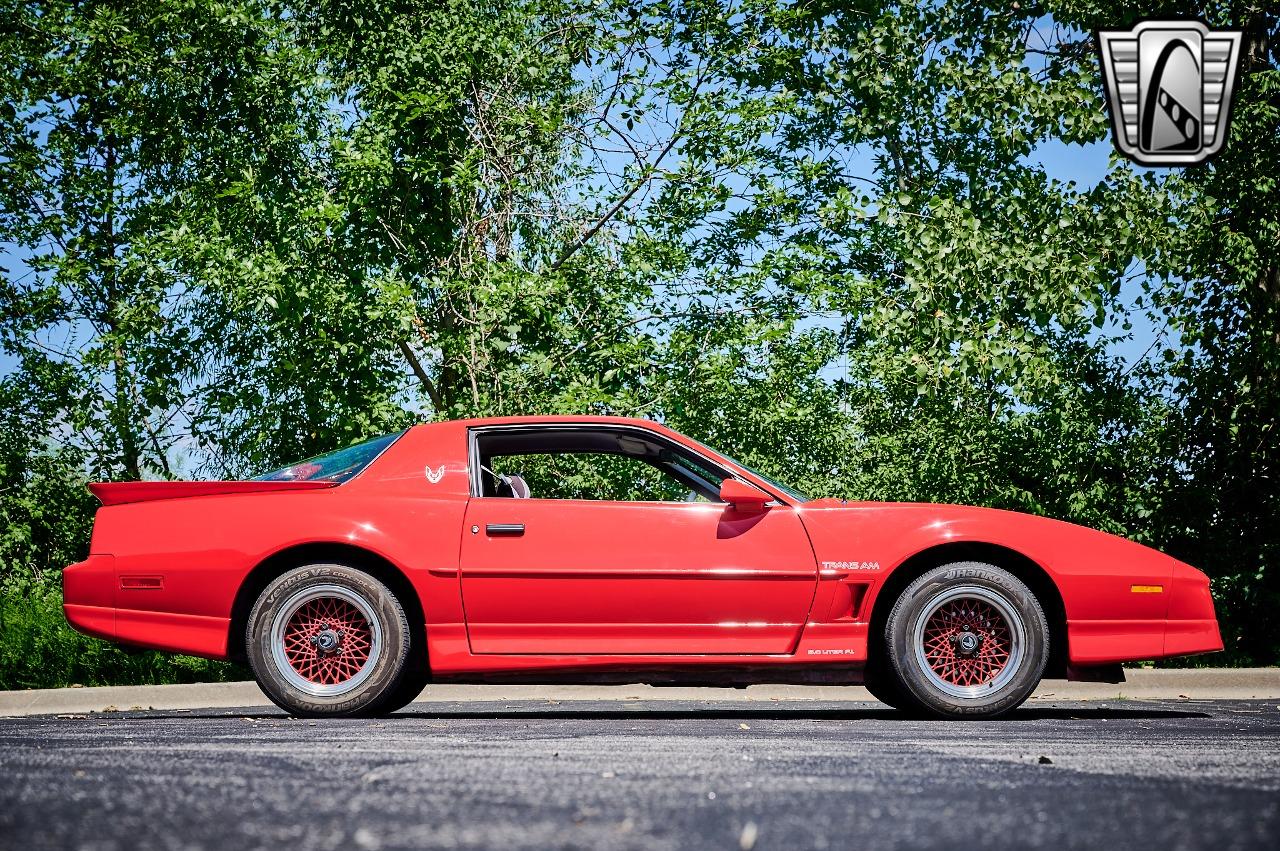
421	373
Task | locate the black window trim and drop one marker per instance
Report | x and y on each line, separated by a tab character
473	452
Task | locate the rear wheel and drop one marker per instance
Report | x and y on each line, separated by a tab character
329	640
966	640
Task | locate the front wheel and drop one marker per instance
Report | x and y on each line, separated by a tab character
966	640
329	640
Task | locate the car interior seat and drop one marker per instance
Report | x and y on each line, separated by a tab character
512	487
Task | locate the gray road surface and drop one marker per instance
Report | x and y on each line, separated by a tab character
1128	774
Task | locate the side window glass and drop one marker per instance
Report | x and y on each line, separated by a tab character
583	475
606	463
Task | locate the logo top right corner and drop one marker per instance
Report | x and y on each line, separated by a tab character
1168	86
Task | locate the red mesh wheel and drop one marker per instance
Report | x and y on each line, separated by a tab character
327	640
967	642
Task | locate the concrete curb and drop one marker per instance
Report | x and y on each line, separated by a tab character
1143	684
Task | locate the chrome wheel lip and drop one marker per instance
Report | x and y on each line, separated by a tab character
280	624
1017	641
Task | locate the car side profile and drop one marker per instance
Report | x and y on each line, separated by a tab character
603	549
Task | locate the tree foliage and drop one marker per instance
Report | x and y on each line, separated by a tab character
819	235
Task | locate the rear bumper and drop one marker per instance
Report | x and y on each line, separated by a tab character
91	602
88	596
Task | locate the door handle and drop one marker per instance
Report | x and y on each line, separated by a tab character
511	529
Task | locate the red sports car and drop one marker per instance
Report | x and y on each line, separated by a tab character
592	549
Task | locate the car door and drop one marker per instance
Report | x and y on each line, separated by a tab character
632	576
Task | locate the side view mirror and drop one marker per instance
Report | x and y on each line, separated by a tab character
743	496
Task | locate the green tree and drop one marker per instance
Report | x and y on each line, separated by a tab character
114	114
854	207
114	117
1218	282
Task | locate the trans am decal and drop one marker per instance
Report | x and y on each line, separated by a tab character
850	565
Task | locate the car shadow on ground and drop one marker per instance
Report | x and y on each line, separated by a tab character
515	711
870	713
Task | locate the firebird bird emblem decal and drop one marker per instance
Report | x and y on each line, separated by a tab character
434	476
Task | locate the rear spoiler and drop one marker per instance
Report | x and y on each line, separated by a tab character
118	493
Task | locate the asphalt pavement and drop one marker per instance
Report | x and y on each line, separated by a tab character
642	774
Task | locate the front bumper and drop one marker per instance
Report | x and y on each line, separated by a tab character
1191	626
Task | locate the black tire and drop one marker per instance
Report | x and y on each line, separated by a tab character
414	679
882	687
323	622
965	640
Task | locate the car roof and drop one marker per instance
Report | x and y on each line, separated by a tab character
556	419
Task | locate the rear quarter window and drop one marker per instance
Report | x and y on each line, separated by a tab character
337	466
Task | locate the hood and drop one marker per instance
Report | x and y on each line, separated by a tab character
891	532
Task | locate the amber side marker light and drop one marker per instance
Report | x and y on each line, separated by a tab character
1146	589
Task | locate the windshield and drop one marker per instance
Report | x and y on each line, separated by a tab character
335	466
789	491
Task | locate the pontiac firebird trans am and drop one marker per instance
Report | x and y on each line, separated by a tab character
598	549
